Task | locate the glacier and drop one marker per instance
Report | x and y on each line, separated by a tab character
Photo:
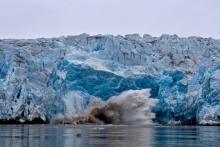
46	77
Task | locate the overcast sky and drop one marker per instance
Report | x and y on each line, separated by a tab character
51	18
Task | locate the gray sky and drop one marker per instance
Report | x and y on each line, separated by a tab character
51	18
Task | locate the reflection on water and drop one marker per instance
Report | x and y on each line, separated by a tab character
109	136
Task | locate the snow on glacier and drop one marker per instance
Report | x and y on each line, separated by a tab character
41	78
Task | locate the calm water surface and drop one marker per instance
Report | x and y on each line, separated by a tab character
107	136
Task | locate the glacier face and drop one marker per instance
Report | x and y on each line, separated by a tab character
41	78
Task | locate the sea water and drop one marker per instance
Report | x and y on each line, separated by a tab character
107	135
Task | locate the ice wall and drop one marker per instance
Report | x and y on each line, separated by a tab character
41	78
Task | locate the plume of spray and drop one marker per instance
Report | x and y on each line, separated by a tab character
132	107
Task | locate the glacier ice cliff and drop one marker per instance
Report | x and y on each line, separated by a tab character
42	78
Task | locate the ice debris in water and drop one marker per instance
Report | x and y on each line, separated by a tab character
41	78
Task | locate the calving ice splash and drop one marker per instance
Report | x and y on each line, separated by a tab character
100	79
132	107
